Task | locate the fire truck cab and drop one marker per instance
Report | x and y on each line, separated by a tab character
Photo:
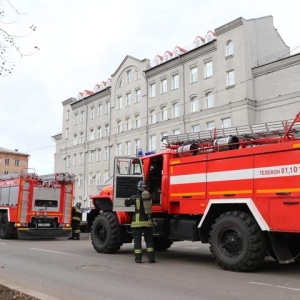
234	188
31	207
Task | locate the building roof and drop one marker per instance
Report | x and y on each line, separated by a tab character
9	151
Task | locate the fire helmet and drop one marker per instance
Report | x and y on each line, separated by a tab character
142	185
78	204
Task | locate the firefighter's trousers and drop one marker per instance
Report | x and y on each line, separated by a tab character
75	229
137	233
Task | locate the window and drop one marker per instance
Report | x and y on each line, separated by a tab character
128	124
193	75
81	139
152	90
107	107
76	119
92	116
67	133
107	130
74	159
98	155
209	100
106	153
166	57
119	102
226	123
164	114
210	125
229	48
91	175
119	126
128	148
162	143
105	175
175	82
152	117
119	149
68	115
82	117
176	110
163	86
121	82
137	96
98	178
230	78
194	105
75	141
99	110
99	132
80	160
17	162
195	128
6	172
137	121
68	161
92	134
137	145
137	75
80	181
208	71
152	142
129	76
91	156
157	61
176	53
176	131
128	99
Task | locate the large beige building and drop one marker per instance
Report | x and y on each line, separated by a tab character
240	73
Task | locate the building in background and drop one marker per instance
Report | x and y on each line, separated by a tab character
240	73
12	161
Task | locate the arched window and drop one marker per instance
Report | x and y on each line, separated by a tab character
166	57
164	113
229	48
119	126
152	117
176	109
194	105
209	100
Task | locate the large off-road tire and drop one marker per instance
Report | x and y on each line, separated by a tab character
237	243
6	228
162	243
105	233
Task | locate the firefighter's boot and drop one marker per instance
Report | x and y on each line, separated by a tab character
138	258
151	257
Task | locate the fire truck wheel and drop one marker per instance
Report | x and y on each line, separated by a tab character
237	243
105	233
5	227
162	243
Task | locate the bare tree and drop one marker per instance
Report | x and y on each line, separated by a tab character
8	41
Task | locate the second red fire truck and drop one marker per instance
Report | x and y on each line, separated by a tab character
237	189
33	207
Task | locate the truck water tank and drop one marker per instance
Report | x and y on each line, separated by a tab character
227	143
187	150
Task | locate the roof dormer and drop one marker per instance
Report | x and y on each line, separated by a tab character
168	55
210	35
108	82
84	94
178	51
158	60
97	88
199	41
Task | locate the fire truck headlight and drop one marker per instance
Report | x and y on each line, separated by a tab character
38	214
45	214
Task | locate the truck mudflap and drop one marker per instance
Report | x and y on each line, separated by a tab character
44	233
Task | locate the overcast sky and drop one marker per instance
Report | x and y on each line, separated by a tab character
82	42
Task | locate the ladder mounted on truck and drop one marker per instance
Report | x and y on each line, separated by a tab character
235	137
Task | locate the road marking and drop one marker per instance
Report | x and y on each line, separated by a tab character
277	286
57	252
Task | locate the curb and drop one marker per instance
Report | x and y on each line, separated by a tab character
27	291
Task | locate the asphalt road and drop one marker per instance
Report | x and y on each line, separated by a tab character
71	270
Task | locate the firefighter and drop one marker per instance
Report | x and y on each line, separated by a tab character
142	222
76	218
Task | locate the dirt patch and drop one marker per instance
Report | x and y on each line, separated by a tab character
9	294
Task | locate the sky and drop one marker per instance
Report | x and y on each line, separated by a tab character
82	42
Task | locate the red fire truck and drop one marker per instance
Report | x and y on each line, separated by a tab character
32	207
236	188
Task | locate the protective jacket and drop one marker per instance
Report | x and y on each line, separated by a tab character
76	214
142	202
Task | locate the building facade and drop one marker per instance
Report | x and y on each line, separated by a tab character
240	73
12	161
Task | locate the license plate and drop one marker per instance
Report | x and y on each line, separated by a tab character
44	224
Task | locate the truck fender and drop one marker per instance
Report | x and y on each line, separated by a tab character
213	203
124	217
